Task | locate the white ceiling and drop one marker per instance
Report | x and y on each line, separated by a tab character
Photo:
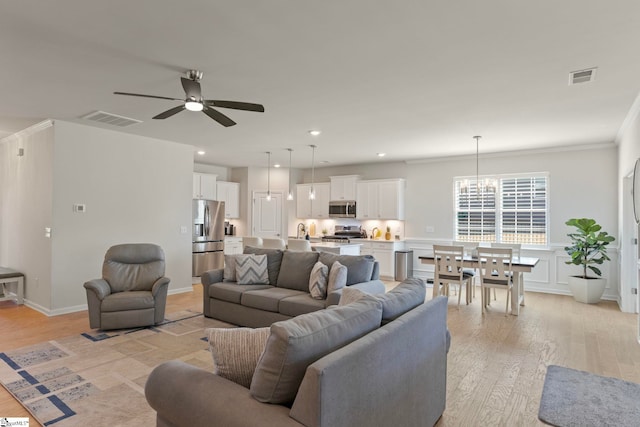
411	78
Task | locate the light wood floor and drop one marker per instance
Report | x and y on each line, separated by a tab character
496	364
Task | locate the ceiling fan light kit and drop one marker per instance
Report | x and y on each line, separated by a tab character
194	102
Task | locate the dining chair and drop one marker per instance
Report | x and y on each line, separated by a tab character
273	243
495	272
301	245
255	242
515	249
448	270
470	249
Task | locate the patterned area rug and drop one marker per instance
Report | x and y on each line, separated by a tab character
578	398
98	378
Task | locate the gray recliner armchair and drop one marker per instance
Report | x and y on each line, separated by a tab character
133	290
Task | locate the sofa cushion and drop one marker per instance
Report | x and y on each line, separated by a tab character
337	277
296	343
359	267
232	292
295	270
318	281
267	299
236	351
252	269
301	304
274	259
404	297
128	300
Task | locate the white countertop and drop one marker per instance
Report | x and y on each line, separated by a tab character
334	244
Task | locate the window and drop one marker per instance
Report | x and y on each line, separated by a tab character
515	210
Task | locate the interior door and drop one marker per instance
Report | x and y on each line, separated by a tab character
267	214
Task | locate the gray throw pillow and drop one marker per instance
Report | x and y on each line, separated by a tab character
236	351
318	281
337	277
359	267
296	343
229	268
274	259
251	270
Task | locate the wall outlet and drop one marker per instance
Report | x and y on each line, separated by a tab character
430	229
79	207
183	229
47	232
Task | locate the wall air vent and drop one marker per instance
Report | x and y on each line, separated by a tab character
110	119
582	76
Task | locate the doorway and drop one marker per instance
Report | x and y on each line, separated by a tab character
266	214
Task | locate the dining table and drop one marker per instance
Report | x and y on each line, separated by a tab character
518	264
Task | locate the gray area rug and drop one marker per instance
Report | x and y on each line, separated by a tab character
578	398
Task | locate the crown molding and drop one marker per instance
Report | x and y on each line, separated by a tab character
564	148
29	131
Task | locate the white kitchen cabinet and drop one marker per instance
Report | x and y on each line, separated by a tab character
232	245
380	199
204	186
229	193
383	252
318	208
343	187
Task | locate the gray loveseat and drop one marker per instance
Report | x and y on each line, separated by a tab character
394	375
287	294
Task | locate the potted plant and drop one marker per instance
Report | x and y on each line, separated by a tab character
588	249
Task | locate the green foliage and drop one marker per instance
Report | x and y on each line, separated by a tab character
589	245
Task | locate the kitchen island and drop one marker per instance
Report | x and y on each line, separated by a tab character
337	248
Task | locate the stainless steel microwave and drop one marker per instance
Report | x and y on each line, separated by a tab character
342	209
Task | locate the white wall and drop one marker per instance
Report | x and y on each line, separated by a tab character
223	173
135	189
26	208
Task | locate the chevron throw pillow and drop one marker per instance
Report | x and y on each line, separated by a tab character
318	281
252	269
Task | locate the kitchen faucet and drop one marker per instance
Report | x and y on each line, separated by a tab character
300	228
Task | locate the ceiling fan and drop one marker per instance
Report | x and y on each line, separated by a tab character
194	102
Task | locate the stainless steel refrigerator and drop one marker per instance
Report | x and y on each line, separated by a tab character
208	236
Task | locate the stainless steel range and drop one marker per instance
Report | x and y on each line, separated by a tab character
344	234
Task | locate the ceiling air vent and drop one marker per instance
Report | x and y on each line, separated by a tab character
582	76
110	119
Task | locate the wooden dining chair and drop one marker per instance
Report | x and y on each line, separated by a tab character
495	272
448	270
515	250
470	249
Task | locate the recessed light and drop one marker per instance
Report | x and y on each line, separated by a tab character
202	153
314	132
381	154
276	165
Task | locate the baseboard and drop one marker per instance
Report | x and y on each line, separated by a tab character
180	290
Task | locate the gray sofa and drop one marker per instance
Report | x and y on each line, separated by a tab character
394	375
287	295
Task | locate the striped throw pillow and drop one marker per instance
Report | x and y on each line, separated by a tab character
236	352
318	281
252	269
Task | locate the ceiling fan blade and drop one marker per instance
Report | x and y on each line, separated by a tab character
247	106
146	96
191	88
170	112
218	117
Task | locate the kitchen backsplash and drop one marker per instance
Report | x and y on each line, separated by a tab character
396	228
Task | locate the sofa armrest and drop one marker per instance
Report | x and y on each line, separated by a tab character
209	278
161	285
100	288
371	287
184	395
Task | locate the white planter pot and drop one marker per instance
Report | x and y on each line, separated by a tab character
588	291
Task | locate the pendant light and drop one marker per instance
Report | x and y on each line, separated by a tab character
290	194
312	191
488	185
268	176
